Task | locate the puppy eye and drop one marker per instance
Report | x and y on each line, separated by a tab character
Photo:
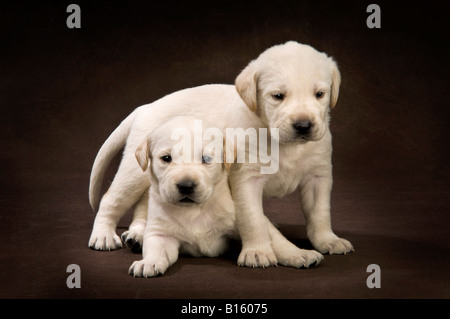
206	159
166	158
319	95
278	96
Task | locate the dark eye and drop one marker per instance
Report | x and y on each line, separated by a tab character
166	158
278	96
319	95
206	159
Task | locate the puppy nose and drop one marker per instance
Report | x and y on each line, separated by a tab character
303	127
186	187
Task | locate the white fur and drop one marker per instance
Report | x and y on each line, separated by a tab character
298	72
200	228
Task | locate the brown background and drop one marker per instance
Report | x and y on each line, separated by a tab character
63	91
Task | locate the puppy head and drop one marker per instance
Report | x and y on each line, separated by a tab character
291	87
186	162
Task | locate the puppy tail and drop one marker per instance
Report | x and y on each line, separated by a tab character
115	142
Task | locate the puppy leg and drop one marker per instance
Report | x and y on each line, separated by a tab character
127	187
251	223
159	253
290	255
134	236
315	199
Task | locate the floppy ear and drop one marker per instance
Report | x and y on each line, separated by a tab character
142	153
335	84
246	86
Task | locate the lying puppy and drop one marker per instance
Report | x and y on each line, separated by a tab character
190	208
290	87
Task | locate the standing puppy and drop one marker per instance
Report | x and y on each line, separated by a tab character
289	87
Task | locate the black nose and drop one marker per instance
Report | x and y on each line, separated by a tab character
303	128
186	187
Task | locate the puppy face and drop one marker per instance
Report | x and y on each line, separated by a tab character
291	87
183	171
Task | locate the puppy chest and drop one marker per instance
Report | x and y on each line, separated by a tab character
285	181
280	187
204	244
207	237
295	163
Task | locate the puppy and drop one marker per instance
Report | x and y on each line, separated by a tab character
291	88
190	209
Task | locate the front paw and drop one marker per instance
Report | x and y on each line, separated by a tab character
257	257
149	267
298	258
104	239
332	244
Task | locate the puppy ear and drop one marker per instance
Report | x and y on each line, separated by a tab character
230	152
142	153
246	86
335	84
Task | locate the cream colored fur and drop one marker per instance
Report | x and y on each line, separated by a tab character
200	226
286	85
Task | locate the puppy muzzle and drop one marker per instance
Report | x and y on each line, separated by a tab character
303	129
186	189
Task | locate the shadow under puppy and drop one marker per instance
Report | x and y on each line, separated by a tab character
190	208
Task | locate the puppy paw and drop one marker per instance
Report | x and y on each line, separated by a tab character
299	258
104	239
257	257
332	244
133	240
149	267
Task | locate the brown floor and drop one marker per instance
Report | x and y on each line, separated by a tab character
64	91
